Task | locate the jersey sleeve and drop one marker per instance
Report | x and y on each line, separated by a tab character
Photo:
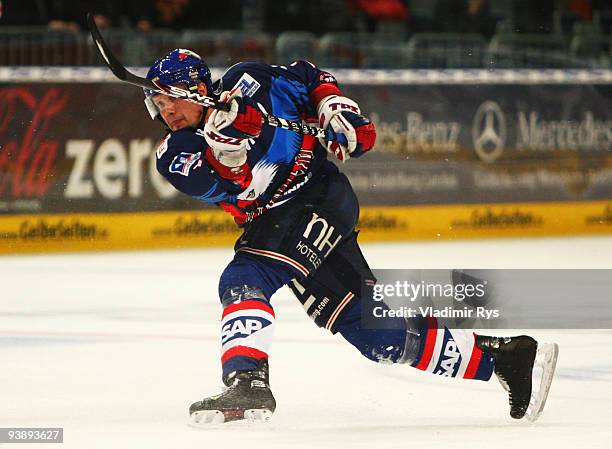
181	159
319	83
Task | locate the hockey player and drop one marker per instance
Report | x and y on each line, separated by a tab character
298	215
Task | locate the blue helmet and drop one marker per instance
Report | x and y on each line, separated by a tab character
180	66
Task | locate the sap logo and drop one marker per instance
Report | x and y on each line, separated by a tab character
242	327
325	234
248	85
182	163
450	360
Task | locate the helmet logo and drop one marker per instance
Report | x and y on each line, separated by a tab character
183	53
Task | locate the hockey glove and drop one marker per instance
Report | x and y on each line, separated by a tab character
227	132
363	134
342	115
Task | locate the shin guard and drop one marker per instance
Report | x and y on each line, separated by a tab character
247	328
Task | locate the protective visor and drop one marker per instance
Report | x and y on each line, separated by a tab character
153	110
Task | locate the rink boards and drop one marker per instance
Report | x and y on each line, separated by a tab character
184	229
459	154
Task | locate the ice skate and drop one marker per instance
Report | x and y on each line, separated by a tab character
247	397
524	369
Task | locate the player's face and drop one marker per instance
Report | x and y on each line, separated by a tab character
177	113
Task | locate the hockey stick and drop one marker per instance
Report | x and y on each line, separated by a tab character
173	91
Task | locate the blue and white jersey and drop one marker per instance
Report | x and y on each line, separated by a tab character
281	162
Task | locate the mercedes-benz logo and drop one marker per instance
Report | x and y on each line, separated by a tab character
489	131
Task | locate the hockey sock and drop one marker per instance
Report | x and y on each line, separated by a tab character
450	352
247	328
420	343
378	345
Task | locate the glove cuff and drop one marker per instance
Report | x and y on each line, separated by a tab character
240	174
322	91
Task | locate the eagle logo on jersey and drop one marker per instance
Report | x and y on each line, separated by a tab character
183	162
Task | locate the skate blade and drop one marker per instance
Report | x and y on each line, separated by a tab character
211	417
543	373
207	417
258	415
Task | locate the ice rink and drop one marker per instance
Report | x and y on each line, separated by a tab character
114	347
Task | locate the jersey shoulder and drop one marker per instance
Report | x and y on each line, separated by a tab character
240	68
180	152
181	159
186	140
247	75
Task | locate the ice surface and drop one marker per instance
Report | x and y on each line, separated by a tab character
114	348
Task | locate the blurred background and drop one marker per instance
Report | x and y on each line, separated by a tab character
335	33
